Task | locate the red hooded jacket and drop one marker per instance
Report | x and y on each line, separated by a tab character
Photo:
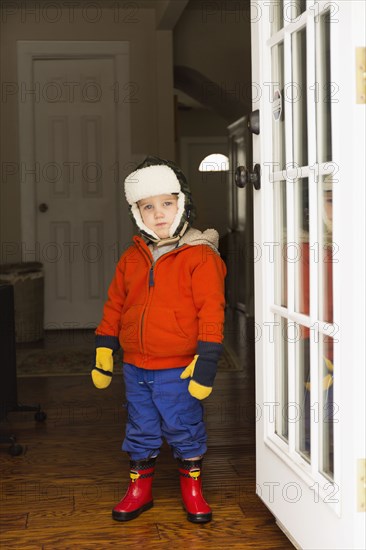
159	310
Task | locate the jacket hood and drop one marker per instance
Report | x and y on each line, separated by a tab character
155	176
194	237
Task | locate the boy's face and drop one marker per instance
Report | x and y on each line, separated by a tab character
158	213
328	204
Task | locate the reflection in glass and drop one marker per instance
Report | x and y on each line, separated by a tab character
301	335
302	280
299	98
327	408
293	10
327	249
280	243
302	5
281	377
325	90
276	15
299	7
277	101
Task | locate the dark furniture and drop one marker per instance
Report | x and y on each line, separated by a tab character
8	382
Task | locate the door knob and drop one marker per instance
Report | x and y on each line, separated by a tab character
253	122
244	176
43	207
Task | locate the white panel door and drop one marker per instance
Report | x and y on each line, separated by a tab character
310	269
75	155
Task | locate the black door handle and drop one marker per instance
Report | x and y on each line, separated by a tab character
244	176
43	207
254	122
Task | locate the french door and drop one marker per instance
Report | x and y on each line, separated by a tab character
309	234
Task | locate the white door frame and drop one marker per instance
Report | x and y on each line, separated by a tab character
27	52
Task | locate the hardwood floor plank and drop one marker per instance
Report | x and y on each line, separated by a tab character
58	495
13	522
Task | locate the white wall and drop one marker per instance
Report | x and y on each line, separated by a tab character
151	80
215	41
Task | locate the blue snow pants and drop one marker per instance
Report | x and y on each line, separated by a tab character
160	406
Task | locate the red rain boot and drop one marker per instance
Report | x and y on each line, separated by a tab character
138	497
198	511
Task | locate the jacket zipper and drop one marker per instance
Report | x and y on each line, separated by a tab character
143	313
151	284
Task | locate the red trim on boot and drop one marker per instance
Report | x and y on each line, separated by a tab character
138	497
198	511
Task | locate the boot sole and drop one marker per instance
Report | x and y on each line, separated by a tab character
199	518
127	516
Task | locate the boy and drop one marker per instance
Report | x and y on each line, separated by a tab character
165	308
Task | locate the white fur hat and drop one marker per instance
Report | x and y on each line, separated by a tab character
151	181
326	212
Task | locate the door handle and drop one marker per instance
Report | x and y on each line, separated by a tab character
254	122
243	176
43	207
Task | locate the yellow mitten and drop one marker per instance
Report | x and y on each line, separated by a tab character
327	379
202	369
197	390
103	370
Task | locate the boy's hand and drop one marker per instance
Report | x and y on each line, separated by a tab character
103	370
197	390
327	379
202	369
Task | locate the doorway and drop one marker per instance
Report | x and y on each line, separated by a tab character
74	140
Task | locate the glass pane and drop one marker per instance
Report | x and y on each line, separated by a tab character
327	249
301	5
280	243
276	15
298	7
293	10
278	118
300	335
299	98
325	90
301	254
281	377
327	408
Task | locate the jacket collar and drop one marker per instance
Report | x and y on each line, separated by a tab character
192	237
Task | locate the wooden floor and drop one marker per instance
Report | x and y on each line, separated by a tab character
59	493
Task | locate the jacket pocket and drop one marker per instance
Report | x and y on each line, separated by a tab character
130	328
162	334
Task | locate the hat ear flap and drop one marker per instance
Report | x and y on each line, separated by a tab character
179	214
135	211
